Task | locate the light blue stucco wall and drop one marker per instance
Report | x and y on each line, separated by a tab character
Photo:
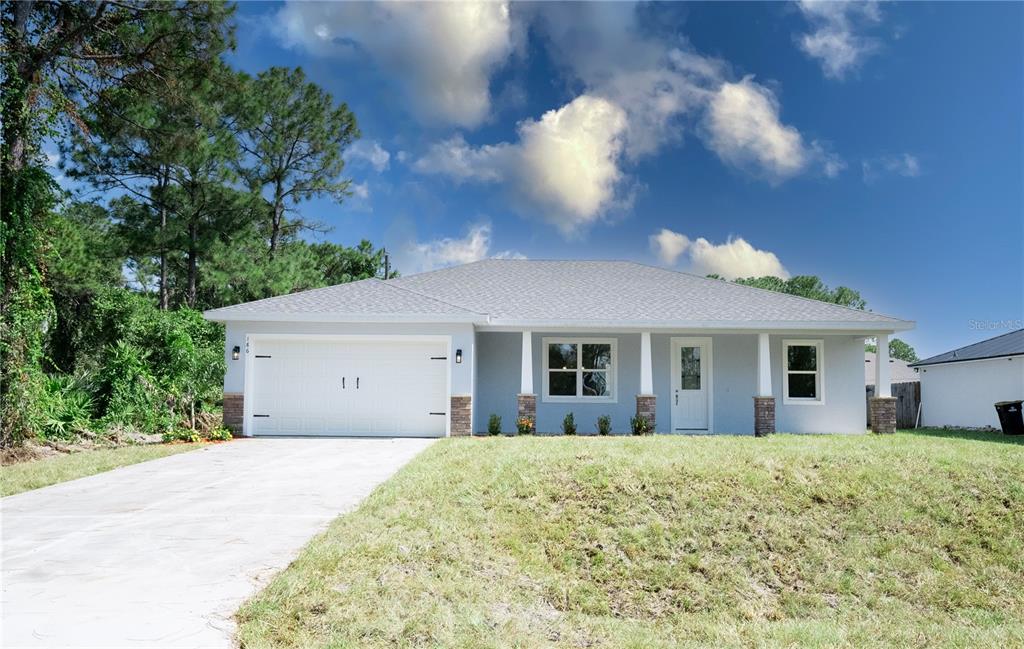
734	376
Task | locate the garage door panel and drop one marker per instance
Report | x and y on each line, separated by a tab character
311	387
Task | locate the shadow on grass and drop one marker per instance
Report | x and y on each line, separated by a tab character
973	435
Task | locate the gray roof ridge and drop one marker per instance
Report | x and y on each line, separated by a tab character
928	361
764	290
429	296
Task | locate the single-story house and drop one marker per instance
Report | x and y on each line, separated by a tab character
899	370
437	353
961	387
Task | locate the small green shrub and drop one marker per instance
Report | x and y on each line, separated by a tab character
569	425
524	425
494	425
181	435
604	425
639	425
219	435
65	409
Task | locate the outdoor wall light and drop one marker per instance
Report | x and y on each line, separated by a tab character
234	352
458	355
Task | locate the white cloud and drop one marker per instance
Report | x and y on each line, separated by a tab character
449	251
835	42
669	245
732	259
742	126
369	152
360	190
566	164
442	53
904	164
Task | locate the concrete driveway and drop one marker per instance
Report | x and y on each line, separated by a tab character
161	554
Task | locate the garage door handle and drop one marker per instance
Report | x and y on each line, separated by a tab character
343	383
357	383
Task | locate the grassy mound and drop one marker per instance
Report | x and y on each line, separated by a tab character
666	541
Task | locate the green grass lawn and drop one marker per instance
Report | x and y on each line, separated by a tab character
34	474
915	539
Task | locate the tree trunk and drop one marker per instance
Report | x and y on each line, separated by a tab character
162	187
16	118
193	235
277	218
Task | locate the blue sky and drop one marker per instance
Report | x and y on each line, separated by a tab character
880	146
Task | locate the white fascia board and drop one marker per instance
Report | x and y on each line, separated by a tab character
344	317
725	326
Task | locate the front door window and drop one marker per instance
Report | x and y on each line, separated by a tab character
689	368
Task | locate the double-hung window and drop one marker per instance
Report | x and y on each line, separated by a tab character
579	369
802	371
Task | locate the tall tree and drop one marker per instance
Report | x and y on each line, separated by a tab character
809	286
59	57
294	138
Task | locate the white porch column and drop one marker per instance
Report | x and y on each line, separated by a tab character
526	380
646	364
883	374
764	367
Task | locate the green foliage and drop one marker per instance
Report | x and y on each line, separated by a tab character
604	425
157	367
184	435
294	137
897	349
639	425
219	434
808	286
569	425
494	424
58	57
65	408
26	308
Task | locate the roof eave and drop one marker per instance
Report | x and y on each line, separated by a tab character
928	363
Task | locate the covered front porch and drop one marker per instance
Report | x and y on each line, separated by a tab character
683	382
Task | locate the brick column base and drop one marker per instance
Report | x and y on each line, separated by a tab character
526	406
461	415
646	407
234	412
883	414
764	416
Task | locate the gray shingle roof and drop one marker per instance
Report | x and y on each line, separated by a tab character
617	291
554	293
1008	344
899	371
368	297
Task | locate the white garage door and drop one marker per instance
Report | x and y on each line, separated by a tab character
322	387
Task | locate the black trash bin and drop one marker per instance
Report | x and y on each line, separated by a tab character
1010	417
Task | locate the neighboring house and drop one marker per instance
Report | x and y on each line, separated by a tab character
960	388
436	353
899	370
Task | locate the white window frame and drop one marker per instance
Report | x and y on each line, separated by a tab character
819	386
613	371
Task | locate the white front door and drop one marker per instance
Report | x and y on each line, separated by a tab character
691	384
308	386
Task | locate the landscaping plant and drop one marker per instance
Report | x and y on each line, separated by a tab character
569	425
604	425
525	425
494	424
639	425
